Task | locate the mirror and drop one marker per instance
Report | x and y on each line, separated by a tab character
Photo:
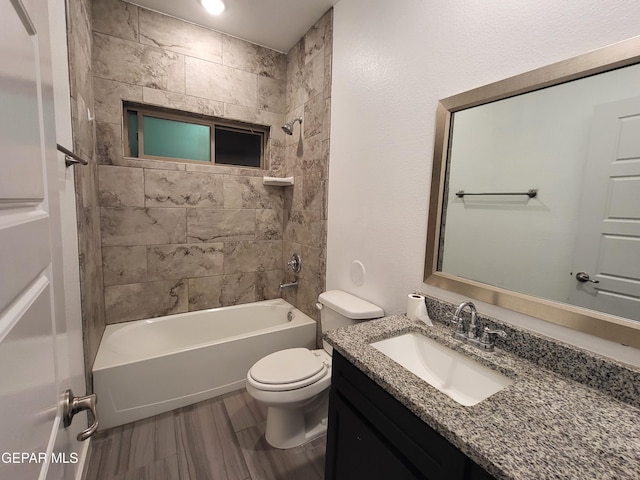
535	196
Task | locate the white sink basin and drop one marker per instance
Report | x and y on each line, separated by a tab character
454	374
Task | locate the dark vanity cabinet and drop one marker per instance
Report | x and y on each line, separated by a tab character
373	436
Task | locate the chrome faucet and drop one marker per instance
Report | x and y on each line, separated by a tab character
457	319
486	341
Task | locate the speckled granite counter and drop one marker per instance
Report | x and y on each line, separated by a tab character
543	426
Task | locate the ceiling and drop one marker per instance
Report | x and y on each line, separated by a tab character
277	24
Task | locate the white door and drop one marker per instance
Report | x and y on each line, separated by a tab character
31	285
608	243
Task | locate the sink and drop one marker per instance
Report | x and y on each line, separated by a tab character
454	374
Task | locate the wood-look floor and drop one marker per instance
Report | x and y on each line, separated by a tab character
218	439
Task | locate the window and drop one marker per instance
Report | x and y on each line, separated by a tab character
160	134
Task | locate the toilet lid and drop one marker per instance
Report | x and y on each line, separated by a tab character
287	366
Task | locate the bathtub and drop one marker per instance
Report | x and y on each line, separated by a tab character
147	367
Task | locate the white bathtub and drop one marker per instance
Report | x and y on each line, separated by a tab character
147	367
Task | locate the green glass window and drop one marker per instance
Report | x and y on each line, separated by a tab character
174	139
179	136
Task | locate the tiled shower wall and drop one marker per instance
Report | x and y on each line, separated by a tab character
307	159
86	177
176	236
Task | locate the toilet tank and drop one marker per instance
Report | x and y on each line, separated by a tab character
340	309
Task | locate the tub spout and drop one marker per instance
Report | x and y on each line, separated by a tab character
288	285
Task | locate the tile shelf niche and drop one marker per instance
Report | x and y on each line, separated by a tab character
277	181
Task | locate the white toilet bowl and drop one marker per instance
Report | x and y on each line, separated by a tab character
294	383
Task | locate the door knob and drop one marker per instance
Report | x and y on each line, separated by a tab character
584	277
72	405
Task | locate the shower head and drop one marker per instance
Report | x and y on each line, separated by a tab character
288	127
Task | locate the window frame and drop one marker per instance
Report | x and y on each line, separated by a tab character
196	119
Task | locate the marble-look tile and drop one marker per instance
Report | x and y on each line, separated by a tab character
181	261
115	18
108	143
86	184
145	300
276	165
91	283
209	225
304	227
326	121
323	167
79	41
312	159
253	58
109	95
222	290
217	82
271	95
314	116
122	265
307	296
268	284
314	260
84	138
328	75
136	64
205	292
328	33
181	37
305	83
313	192
150	164
260	117
314	39
120	186
238	288
182	189
269	224
224	169
296	197
179	101
252	256
142	226
295	59
249	192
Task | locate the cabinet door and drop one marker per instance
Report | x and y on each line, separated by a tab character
358	452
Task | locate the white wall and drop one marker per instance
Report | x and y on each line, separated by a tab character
392	61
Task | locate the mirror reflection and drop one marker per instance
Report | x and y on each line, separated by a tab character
578	240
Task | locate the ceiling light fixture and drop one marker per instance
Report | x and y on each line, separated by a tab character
214	7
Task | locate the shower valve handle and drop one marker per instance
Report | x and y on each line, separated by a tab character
295	263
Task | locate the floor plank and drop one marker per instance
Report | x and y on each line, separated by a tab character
221	439
244	411
207	445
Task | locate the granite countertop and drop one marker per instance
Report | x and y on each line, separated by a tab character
542	426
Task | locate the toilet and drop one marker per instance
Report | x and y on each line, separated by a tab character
294	383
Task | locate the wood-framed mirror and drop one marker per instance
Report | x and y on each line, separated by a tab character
569	252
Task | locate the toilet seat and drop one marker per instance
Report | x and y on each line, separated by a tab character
288	369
